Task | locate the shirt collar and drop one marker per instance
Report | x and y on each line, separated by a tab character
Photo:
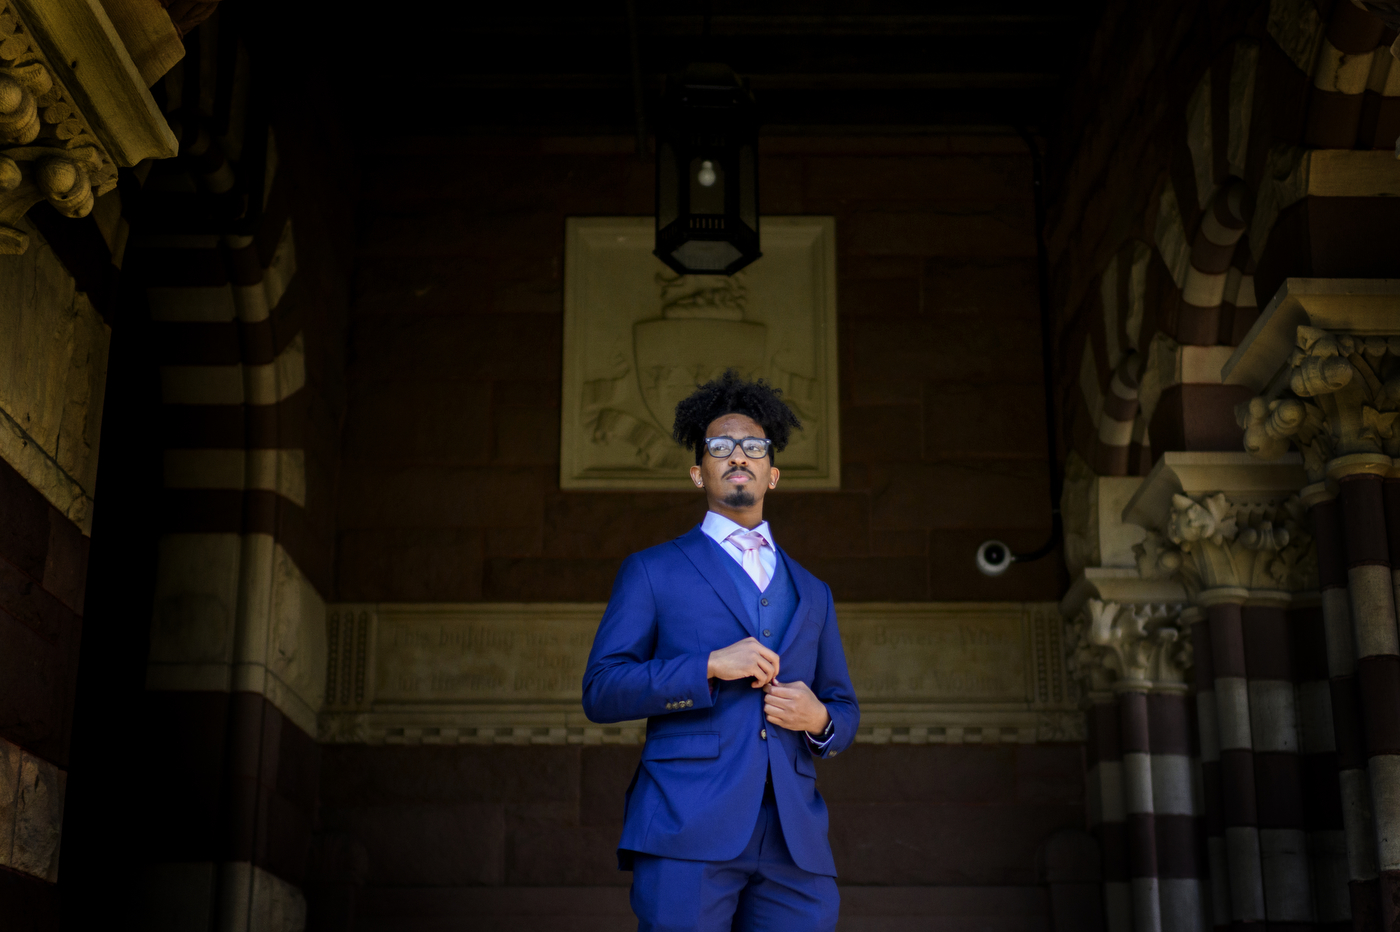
718	528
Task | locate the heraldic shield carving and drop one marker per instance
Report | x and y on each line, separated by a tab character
638	338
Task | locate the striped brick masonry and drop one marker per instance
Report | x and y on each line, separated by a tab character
1246	560
1107	808
237	651
1354	101
1278	778
1209	733
1354	791
1139	821
1212	252
1370	589
1239	804
1142	806
1321	791
1176	810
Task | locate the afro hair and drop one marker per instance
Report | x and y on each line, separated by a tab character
730	394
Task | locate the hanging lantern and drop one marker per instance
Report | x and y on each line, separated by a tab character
707	173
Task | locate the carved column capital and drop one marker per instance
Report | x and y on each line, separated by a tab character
1129	647
73	109
1325	359
1213	542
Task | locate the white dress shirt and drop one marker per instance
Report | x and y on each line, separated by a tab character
718	527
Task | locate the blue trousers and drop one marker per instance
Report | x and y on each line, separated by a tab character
761	890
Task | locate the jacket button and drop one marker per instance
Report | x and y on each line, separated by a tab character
763	733
689	703
765	601
767	633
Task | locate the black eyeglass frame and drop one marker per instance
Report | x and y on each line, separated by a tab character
739	443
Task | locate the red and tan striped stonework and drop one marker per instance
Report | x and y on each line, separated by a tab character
1143	807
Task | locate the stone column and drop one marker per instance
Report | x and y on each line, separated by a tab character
1107	808
1354	791
1370	590
1322	800
1278	778
1139	822
1176	822
1211	790
1239	806
1325	358
1141	796
1232	532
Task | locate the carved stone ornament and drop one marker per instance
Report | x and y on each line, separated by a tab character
1343	398
55	145
1210	541
1128	646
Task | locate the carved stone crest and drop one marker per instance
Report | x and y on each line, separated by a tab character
638	338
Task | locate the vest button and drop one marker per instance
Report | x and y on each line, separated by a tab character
763	733
765	601
767	633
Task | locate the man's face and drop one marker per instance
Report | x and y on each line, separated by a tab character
737	481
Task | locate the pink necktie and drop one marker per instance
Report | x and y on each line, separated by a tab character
751	542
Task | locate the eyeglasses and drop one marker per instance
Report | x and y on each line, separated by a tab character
755	448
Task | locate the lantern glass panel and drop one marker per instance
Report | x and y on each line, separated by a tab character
748	201
667	190
706	186
706	255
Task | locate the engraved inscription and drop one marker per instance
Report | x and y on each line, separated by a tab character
943	654
454	659
937	658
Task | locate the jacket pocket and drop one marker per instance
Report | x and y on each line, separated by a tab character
689	745
804	764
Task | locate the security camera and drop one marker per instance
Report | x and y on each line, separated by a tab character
993	558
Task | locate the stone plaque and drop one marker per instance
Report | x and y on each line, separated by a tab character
638	338
940	672
905	654
483	656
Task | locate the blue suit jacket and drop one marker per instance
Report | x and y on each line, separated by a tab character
697	792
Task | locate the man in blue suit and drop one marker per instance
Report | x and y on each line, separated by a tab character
729	649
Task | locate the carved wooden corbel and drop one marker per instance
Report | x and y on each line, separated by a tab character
73	109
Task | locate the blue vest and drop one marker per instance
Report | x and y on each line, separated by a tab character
770	610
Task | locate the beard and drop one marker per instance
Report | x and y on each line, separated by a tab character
739	498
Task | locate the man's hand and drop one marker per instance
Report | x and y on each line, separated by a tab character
795	707
745	658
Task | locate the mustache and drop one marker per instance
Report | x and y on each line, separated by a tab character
741	469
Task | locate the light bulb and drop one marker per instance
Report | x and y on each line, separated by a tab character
706	175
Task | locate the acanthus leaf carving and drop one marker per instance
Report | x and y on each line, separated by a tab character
1212	542
47	149
1345	399
1137	644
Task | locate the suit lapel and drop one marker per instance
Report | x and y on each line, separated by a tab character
808	600
705	555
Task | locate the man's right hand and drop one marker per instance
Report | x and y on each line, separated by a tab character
745	658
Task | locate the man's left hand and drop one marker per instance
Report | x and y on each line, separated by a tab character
794	706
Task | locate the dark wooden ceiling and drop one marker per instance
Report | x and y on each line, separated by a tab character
878	67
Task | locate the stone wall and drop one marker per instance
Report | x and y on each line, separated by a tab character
451	443
53	363
525	837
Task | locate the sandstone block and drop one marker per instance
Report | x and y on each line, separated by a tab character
409	565
549	580
1001	287
38	818
963	494
419	420
997	419
969	229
